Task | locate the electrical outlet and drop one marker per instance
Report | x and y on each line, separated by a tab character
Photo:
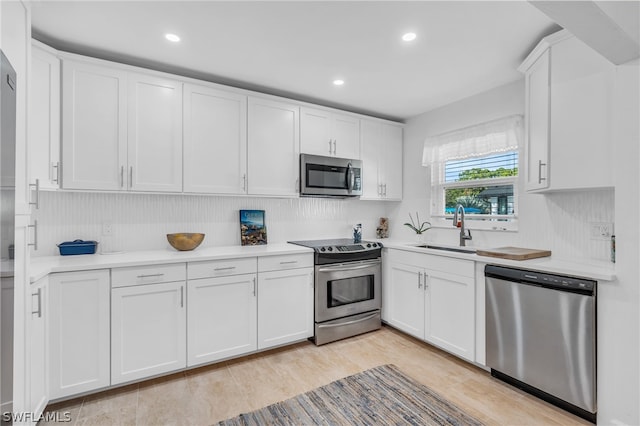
107	229
601	230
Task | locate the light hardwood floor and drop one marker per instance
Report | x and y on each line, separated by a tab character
209	394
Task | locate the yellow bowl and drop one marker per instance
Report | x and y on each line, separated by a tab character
185	241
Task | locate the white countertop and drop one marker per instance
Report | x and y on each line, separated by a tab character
42	266
593	269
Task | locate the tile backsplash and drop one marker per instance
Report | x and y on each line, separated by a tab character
141	221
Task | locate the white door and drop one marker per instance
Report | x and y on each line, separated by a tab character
346	136
215	141
450	314
221	318
148	330
273	147
79	333
371	154
406	298
154	134
94	130
391	162
38	376
44	118
285	306
537	124
315	132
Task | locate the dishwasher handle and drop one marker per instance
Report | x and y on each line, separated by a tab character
542	279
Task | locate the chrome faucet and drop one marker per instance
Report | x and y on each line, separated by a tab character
458	217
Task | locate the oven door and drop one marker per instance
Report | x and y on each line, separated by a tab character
347	289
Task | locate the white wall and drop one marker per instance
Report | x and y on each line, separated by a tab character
141	221
559	222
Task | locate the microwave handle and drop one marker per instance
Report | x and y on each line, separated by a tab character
351	178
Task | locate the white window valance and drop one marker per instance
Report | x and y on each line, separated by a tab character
501	135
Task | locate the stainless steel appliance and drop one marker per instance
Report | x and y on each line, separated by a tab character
330	176
7	226
541	336
347	288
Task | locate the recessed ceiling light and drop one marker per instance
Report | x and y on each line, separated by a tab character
409	36
338	82
172	37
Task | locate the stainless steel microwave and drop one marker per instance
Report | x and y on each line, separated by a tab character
330	176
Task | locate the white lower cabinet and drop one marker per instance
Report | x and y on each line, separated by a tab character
423	298
79	334
38	351
148	330
285	306
221	319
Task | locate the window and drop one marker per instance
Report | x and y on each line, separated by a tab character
476	167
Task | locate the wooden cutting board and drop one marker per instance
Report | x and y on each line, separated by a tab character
514	253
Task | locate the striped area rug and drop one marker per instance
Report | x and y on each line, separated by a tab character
379	396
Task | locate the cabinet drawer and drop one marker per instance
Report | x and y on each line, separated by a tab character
139	275
221	268
432	262
285	261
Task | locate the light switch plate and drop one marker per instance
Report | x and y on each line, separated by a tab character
107	229
601	230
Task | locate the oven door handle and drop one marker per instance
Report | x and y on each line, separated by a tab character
350	322
347	268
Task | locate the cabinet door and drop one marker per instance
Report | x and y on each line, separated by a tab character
79	332
537	124
346	136
94	131
285	306
405	294
215	141
38	351
581	116
370	150
450	314
154	134
221	318
273	147
44	118
315	132
148	330
391	162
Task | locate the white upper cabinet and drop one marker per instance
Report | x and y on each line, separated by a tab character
154	134
215	141
328	133
120	130
44	117
569	92
381	150
94	131
273	148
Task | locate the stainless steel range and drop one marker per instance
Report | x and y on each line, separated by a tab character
347	288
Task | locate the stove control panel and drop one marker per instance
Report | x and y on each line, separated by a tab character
349	248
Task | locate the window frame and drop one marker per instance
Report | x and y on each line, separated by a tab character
475	221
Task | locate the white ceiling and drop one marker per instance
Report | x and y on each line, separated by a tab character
296	49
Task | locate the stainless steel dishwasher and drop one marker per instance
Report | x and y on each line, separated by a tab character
541	336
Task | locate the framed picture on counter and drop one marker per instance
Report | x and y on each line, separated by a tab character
253	230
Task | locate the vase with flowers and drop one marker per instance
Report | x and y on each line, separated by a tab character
418	227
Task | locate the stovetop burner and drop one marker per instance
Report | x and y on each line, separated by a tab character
338	245
341	250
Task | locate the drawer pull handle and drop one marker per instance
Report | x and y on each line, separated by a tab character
150	275
289	262
39	311
226	268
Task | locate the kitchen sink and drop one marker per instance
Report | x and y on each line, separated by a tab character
448	248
